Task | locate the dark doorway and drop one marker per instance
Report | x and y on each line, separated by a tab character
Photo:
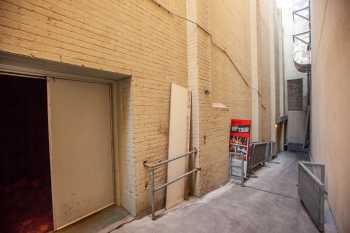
25	183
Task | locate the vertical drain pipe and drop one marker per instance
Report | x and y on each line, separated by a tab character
254	70
193	81
272	82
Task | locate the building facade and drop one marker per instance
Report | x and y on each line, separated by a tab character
138	48
330	111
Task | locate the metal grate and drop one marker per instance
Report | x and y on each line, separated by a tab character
270	151
311	189
257	155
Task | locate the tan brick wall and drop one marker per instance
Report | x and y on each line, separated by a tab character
125	159
223	64
148	41
265	51
139	39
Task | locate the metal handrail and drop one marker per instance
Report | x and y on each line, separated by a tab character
176	179
151	167
309	172
162	162
312	163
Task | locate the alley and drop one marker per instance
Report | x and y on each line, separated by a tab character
268	203
113	111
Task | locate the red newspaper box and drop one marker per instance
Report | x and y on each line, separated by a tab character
239	144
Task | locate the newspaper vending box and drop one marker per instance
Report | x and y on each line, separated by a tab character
239	147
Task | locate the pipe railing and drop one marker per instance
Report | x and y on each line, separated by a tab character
152	166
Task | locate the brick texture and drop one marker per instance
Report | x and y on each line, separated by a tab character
148	41
137	38
223	63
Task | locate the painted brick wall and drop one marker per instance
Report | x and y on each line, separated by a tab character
223	58
265	51
140	39
148	41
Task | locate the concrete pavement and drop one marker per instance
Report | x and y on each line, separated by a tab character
267	204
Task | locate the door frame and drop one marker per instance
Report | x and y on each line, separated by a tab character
27	67
14	75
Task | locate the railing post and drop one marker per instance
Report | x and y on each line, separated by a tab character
323	174
152	194
194	166
194	158
242	168
151	167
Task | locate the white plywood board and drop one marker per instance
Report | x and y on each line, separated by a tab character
81	149
179	125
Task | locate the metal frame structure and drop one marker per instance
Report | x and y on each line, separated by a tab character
297	36
305	68
268	153
271	151
240	167
311	190
257	155
151	167
296	13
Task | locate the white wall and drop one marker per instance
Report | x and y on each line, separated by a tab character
296	119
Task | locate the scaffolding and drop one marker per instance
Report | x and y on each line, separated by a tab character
302	40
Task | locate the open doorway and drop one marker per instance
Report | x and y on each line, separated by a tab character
25	183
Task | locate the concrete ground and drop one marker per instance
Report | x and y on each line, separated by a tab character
101	222
267	204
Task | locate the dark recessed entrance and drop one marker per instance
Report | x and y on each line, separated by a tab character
25	183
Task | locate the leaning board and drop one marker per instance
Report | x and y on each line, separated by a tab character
179	135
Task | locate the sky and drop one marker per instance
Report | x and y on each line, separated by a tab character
290	3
